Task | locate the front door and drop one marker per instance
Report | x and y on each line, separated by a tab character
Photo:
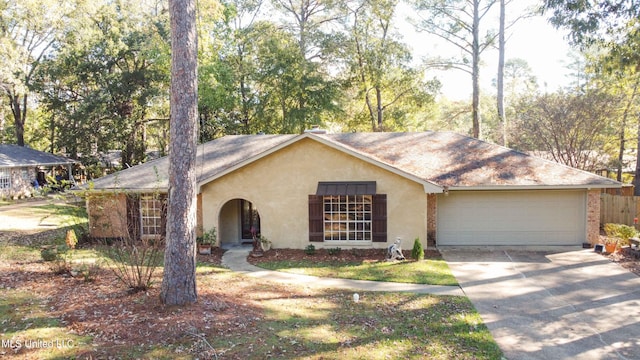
249	220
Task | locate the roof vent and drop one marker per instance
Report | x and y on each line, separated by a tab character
315	129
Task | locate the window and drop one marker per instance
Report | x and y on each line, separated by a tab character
151	216
347	212
5	178
347	217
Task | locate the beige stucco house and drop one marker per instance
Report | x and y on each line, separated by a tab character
362	190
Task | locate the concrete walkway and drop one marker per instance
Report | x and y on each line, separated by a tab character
235	259
563	304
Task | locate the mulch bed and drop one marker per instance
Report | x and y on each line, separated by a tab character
344	255
626	258
116	318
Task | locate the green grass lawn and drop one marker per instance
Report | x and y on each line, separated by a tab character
430	271
329	325
236	317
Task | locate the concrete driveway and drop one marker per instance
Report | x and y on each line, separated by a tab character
561	304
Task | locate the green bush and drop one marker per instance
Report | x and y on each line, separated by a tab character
417	253
310	249
334	251
620	231
49	253
58	258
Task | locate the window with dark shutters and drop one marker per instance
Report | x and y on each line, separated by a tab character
336	213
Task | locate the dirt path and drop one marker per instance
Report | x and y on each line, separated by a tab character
25	216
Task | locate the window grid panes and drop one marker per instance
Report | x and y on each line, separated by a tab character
5	178
347	217
151	216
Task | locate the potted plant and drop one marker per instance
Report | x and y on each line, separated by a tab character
610	245
617	235
206	241
265	243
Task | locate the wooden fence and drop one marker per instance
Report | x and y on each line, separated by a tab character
619	209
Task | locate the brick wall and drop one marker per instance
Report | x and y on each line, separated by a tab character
593	216
432	211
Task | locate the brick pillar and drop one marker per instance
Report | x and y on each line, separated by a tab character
593	216
432	211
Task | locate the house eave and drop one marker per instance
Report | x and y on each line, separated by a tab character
39	164
535	187
118	190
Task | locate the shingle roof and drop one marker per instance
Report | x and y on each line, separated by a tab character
457	161
443	159
16	156
212	159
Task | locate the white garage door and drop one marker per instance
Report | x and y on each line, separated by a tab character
511	218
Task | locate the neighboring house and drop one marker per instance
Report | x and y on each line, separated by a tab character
21	167
362	189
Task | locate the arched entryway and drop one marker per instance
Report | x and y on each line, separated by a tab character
238	219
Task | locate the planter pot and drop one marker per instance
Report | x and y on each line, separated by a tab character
266	246
204	249
610	248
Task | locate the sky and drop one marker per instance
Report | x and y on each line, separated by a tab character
545	49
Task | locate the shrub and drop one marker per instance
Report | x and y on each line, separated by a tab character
89	271
417	253
621	231
310	249
334	251
58	258
135	261
49	253
71	240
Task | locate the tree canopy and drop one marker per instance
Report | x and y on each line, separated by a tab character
85	78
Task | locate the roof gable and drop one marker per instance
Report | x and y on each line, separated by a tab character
20	156
437	160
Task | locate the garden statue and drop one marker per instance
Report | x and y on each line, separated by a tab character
394	252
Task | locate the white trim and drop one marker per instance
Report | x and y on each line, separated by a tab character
533	187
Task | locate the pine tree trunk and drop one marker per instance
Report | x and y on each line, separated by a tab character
500	79
179	278
636	177
475	75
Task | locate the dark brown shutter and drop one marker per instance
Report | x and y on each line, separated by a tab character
316	217
379	219
163	215
133	216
